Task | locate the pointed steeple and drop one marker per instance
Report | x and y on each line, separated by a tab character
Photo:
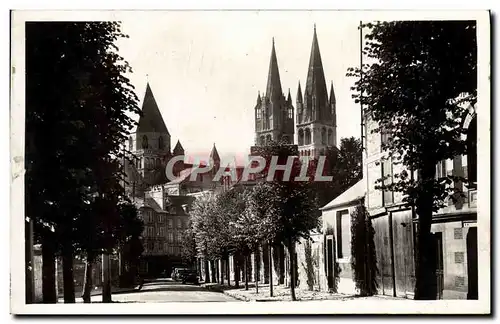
299	94
214	155
273	89
332	100
151	121
178	149
289	97
258	98
316	85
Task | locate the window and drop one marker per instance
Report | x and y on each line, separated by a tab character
161	144
179	237
307	136
162	231
388	196
330	138
441	169
165	247
343	234
385	138
323	136
170	237
301	136
170	223
144	142
151	231
259	113
290	113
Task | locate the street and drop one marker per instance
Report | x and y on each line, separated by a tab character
166	290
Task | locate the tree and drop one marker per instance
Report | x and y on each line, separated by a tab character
75	124
188	249
290	206
363	252
418	89
345	165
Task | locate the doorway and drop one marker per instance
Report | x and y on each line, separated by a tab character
437	241
472	279
330	275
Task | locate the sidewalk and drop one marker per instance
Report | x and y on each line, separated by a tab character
280	293
97	291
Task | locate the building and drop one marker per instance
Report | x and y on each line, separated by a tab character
315	126
315	130
336	216
164	203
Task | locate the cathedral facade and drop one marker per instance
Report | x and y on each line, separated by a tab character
313	124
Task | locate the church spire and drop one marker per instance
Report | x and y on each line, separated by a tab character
273	89
315	84
289	97
299	94
178	149
332	100
214	155
151	120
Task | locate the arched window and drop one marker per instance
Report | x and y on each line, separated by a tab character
323	136
161	144
330	137
259	113
145	142
262	140
472	152
284	139
268	139
301	136
130	143
307	136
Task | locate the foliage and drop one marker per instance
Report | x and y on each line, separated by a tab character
364	258
79	109
344	164
418	90
420	85
188	249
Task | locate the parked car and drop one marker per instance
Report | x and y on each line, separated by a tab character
176	274
190	276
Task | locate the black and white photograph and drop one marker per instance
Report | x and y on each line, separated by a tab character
250	162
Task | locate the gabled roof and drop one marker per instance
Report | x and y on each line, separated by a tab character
151	121
351	196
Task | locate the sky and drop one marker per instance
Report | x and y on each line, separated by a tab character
205	68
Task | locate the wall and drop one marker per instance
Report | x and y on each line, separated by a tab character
310	262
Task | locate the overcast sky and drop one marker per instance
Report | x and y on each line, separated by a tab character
206	68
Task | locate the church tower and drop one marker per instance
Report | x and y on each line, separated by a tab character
150	143
316	116
274	114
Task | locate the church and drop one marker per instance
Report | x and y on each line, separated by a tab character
313	126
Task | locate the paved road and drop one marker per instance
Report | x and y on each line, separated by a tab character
166	290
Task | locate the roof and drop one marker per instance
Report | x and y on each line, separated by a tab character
350	196
151	121
273	89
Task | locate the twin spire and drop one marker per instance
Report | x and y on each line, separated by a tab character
151	120
315	84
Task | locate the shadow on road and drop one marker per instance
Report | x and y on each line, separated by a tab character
168	285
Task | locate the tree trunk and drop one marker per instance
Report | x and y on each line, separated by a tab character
228	271
426	285
106	282
207	274
291	250
270	249
87	280
245	266
221	273
29	273
236	267
48	270
68	279
212	271
257	269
